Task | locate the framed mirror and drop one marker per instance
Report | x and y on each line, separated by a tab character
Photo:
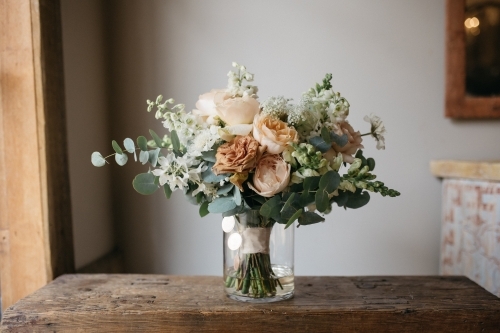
473	59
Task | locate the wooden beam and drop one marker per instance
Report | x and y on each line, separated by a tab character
36	242
480	170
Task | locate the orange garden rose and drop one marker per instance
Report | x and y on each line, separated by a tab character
273	133
237	156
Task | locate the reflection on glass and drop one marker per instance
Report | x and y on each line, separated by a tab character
482	39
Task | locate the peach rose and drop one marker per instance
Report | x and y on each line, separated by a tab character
236	110
237	156
353	144
273	133
206	105
272	175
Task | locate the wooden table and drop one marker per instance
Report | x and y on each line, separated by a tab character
162	303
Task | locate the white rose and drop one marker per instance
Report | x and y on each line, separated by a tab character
237	110
206	106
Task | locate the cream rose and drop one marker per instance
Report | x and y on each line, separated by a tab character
273	133
353	144
238	156
236	110
272	175
206	105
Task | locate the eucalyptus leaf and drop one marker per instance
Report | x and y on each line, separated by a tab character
153	156
320	144
341	199
221	205
329	181
204	209
142	142
175	141
156	138
143	156
121	159
129	145
311	183
234	211
167	190
210	177
271	207
358	200
339	140
294	217
371	163
289	202
225	189
144	183
325	135
310	218
116	147
97	159
322	201
209	156
237	196
306	198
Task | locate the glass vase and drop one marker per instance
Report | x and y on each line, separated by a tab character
258	259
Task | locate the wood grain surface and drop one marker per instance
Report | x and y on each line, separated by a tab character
480	170
36	241
162	303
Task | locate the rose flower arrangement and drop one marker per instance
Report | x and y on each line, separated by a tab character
276	161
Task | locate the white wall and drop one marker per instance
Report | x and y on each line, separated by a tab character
386	56
87	124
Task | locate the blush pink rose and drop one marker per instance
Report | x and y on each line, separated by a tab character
353	144
272	175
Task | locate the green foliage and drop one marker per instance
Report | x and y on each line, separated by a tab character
144	183
121	159
156	138
327	185
225	189
97	159
310	218
175	141
357	200
222	204
143	156
320	144
153	156
129	145
167	191
204	209
116	147
142	142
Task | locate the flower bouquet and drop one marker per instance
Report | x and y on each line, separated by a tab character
259	165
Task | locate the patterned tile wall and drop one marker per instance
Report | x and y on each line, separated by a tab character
470	236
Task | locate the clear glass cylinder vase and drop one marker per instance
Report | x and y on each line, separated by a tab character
258	259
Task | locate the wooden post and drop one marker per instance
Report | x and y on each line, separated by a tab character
36	241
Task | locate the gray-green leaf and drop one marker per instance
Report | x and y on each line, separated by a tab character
142	142
144	183
116	147
153	156
97	159
156	138
121	159
129	145
221	205
143	156
310	218
329	181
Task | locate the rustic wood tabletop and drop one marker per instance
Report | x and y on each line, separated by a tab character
163	303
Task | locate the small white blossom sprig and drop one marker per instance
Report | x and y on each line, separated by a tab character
277	107
377	130
235	84
187	125
178	171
